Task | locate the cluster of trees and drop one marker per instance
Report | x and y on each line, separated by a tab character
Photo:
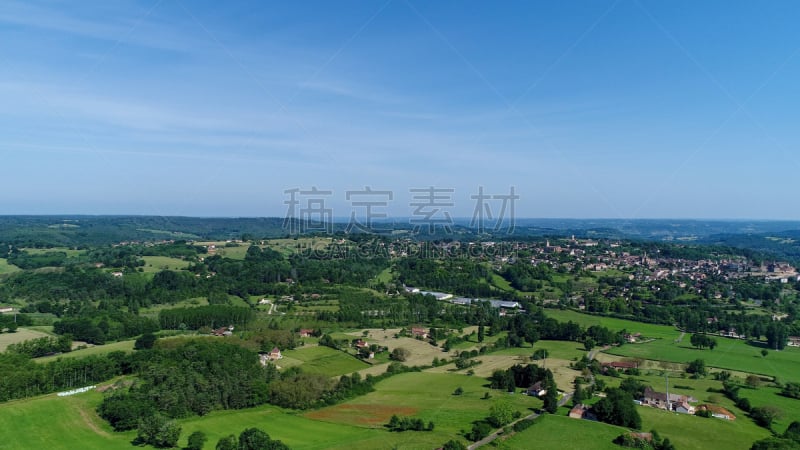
632	440
25	260
519	376
21	377
250	439
212	316
297	390
464	276
99	327
408	423
697	368
47	345
158	431
762	415
10	322
702	341
789	440
618	408
791	390
527	277
536	325
191	379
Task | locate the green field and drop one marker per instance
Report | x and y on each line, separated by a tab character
290	246
39	251
155	309
323	360
5	267
294	430
159	263
693	432
68	423
763	396
51	422
552	431
232	252
125	346
22	334
385	276
556	349
647	330
428	396
733	354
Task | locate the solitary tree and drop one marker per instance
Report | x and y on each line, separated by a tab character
197	440
501	413
227	443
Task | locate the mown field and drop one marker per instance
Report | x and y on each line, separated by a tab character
768	396
290	246
238	252
40	251
586	320
6	268
358	424
698	433
51	422
125	346
554	432
71	422
323	360
732	354
428	396
22	334
68	423
153	311
158	263
555	349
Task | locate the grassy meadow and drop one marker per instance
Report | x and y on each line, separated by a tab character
731	354
428	396
553	431
154	264
22	334
125	346
6	267
323	360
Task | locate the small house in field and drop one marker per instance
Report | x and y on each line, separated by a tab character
620	365
633	338
275	354
306	332
536	390
582	412
684	408
794	341
674	401
361	343
223	331
419	332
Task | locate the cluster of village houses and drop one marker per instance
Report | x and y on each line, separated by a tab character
654	399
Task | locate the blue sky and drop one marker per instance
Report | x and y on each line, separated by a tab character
618	109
